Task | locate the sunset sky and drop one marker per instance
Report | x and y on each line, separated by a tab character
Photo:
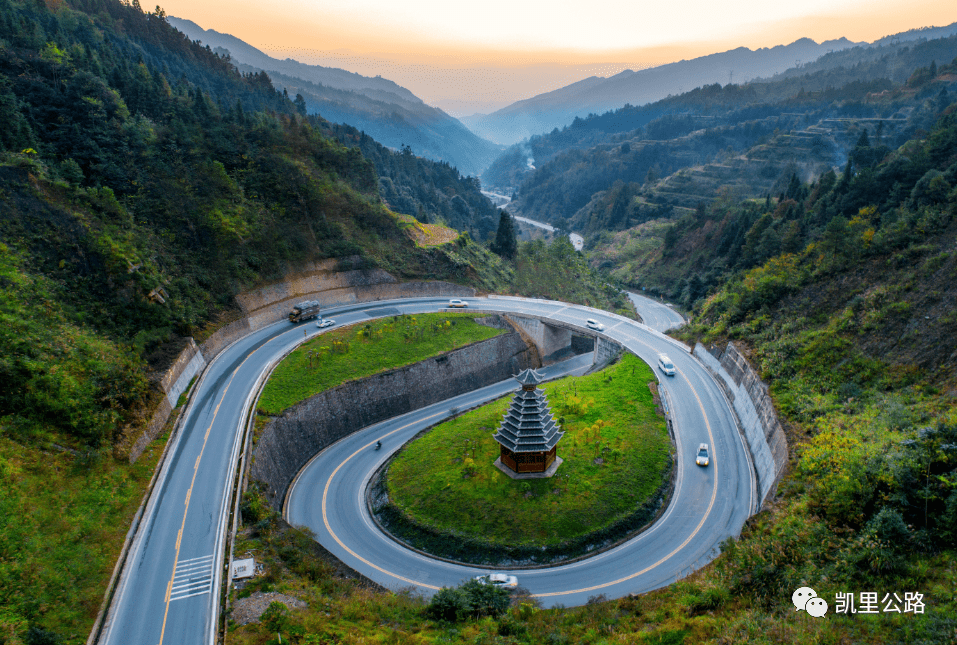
499	51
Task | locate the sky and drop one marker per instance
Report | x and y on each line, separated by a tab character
477	56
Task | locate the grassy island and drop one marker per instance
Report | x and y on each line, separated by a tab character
616	451
365	349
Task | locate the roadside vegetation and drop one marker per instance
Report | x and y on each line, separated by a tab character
66	513
617	464
713	605
556	271
841	293
360	350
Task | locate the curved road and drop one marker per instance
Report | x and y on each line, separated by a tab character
656	315
168	591
709	504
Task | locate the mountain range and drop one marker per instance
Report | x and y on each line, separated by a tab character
595	95
386	111
629	165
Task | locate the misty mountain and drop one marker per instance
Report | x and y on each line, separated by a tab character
594	95
611	170
386	111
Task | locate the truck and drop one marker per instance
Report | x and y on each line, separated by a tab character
305	310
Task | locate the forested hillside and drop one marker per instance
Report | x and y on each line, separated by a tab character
386	111
892	196
430	191
713	124
145	181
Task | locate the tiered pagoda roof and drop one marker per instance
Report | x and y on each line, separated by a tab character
528	425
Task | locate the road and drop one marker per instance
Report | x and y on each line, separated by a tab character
502	201
656	314
168	589
578	242
709	504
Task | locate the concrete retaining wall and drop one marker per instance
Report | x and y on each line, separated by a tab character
189	363
332	282
606	351
290	440
173	382
755	410
553	341
583	344
359	286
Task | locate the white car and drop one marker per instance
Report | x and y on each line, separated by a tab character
498	580
591	323
703	458
455	302
665	365
325	322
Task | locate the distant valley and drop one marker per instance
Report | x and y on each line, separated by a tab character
626	166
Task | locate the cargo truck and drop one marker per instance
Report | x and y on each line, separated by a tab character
306	310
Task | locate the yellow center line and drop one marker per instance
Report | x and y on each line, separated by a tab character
714	494
189	494
325	518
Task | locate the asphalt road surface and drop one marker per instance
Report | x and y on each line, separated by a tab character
709	504
168	591
656	314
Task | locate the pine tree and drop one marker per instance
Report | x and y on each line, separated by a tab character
300	103
506	243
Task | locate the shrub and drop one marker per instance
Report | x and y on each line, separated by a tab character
37	636
275	617
471	599
448	604
485	599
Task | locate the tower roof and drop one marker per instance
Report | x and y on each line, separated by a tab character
527	425
529	377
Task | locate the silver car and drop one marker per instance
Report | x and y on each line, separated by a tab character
703	458
665	365
498	580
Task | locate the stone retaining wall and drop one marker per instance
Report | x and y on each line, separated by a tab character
290	440
750	399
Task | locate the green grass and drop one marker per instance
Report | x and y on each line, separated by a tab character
446	479
360	350
65	517
702	608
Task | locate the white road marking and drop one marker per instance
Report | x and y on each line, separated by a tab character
193	577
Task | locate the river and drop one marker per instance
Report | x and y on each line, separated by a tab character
502	200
